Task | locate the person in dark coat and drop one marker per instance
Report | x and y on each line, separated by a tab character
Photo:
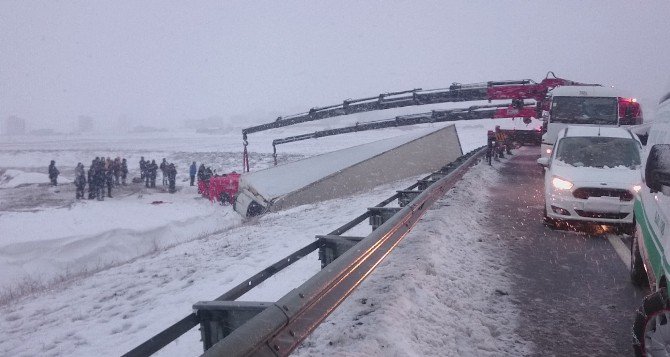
153	171
124	171
99	179
91	179
53	173
171	172
116	167
80	180
164	166
147	174
201	175
143	168
109	177
191	172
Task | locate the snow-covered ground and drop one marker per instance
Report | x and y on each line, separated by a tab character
91	278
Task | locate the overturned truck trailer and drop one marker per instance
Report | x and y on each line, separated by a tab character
344	172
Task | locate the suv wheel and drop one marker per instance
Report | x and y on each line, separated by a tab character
651	330
548	221
637	273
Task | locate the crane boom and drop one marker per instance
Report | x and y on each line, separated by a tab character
516	90
457	92
436	116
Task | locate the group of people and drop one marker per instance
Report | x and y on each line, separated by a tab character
497	145
103	173
108	173
149	171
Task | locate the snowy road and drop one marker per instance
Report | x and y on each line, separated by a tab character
572	288
497	283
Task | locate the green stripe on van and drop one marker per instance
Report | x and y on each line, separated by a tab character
655	251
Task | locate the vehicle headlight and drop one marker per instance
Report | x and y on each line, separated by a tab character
637	188
561	184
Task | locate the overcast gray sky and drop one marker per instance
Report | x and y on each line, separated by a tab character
166	61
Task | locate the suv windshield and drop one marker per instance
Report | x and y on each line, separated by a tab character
585	110
599	152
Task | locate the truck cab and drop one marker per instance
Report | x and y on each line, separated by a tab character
585	105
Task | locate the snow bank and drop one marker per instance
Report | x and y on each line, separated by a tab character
40	246
13	178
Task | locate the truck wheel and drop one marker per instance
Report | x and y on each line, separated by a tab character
651	329
638	276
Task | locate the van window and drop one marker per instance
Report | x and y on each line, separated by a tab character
585	110
599	152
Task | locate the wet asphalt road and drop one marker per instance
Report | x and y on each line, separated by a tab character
571	287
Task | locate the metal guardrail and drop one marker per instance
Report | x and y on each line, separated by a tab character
234	328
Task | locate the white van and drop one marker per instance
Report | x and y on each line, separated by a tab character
592	175
650	248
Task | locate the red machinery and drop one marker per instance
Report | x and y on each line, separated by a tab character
220	188
630	112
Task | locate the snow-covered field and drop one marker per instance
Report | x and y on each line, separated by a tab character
97	278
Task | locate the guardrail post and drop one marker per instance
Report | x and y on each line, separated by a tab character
379	215
219	318
406	196
423	184
332	246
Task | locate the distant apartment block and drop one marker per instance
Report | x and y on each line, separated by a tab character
13	125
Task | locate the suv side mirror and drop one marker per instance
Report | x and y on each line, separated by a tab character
543	161
657	170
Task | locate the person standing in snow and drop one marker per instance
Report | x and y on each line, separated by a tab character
201	176
146	173
143	168
91	178
164	166
124	171
191	172
99	179
109	177
171	172
80	180
153	170
117	170
53	173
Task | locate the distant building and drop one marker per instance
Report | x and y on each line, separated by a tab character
13	125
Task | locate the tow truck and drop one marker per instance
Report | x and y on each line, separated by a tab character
524	98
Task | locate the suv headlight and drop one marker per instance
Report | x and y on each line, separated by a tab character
561	184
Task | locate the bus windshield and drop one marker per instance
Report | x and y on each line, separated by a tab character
585	110
599	152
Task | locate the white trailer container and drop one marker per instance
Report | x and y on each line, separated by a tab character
344	172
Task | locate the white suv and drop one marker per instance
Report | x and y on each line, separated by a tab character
592	175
